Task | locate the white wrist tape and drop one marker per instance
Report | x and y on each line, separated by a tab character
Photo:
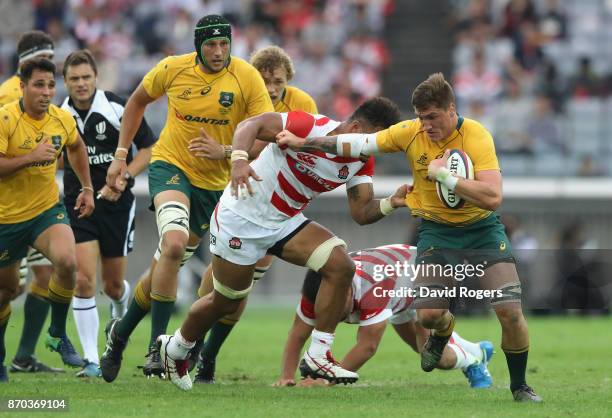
445	177
356	145
239	154
385	206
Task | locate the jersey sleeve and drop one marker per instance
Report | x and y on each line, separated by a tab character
299	123
144	136
305	310
71	129
4	130
397	137
258	100
481	150
364	175
155	81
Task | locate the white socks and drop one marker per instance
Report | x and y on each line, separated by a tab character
120	307
87	324
178	348
464	359
320	343
472	348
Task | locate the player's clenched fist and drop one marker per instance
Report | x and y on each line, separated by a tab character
43	152
286	138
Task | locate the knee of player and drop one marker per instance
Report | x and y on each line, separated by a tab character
429	317
510	315
7	294
85	285
113	289
173	246
66	263
339	266
370	348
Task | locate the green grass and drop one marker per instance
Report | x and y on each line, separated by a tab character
570	366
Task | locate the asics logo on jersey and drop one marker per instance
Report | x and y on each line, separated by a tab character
205	90
308	159
201	119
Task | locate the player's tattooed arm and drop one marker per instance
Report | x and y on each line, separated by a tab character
326	144
263	127
365	209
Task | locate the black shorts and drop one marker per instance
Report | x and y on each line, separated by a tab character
112	228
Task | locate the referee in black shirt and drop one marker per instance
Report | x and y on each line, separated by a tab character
107	234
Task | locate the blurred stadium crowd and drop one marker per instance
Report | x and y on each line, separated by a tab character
537	73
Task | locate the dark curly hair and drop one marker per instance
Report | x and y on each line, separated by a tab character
378	112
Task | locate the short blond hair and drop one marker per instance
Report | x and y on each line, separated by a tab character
271	58
433	92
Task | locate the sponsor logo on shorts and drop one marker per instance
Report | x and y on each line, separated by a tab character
502	246
175	179
235	243
4	255
60	216
213	239
343	172
204	226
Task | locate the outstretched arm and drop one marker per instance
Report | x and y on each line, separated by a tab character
264	127
298	335
366	210
346	145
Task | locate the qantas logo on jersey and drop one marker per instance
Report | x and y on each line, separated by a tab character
201	119
343	172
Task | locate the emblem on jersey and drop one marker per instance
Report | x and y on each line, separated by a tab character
235	243
100	129
205	90
422	159
308	159
185	95
226	99
213	239
175	179
4	255
56	140
27	144
343	172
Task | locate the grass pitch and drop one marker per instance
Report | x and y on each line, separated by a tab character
570	366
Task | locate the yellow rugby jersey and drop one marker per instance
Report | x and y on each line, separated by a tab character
10	90
31	190
216	102
295	99
470	136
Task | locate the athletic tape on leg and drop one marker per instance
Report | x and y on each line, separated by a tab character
321	254
229	292
189	252
510	292
172	216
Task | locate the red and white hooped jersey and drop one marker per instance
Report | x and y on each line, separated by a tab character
370	306
291	179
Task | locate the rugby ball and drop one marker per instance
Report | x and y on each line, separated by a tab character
459	164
